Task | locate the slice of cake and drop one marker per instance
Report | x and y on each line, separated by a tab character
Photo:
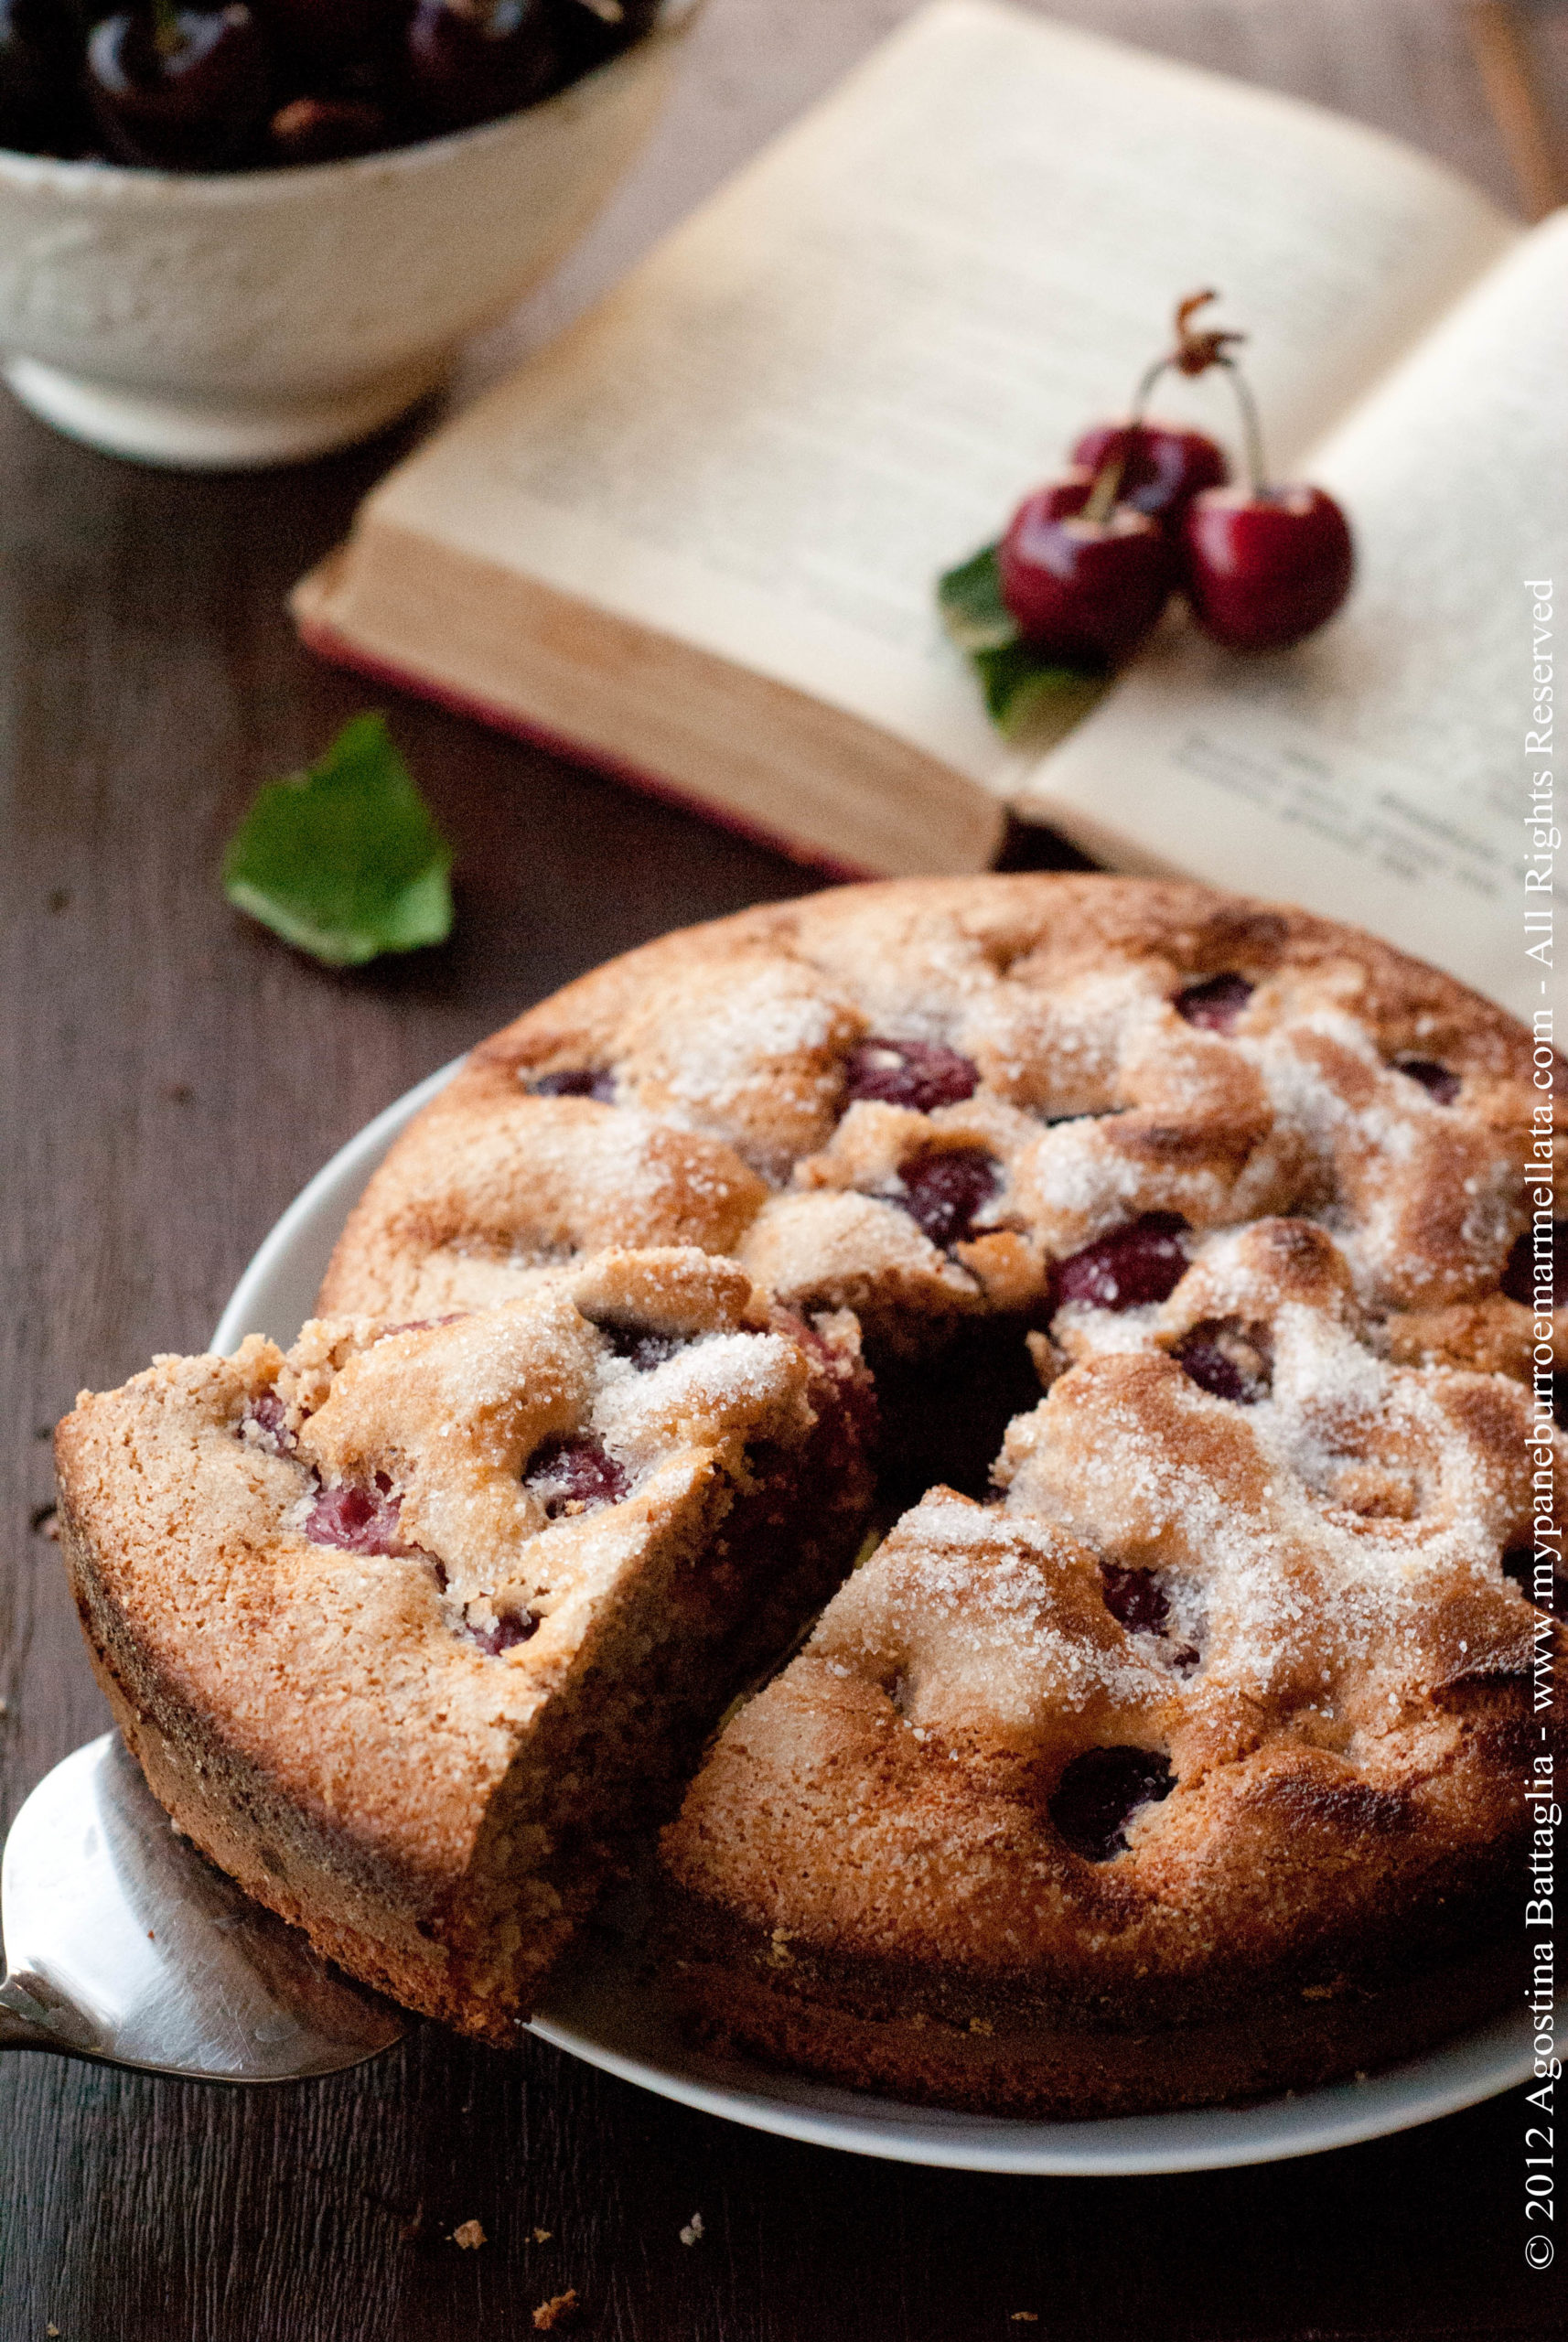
411	1628
1192	1767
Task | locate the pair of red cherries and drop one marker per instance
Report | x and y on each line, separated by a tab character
1090	558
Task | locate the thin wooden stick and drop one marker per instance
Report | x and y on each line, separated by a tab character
1500	45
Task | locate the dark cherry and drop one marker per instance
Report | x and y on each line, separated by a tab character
573	1476
577	1081
1435	1079
179	89
512	1626
943	1192
321	41
1518	1279
1101	1792
1209	1367
469	60
1226	1368
1136	1598
1088	589
359	1520
921	1074
1162	466
591	30
324	130
1215	1004
645	1349
1263	570
37	94
1142	1262
268	1410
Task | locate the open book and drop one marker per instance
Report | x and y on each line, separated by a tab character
696	539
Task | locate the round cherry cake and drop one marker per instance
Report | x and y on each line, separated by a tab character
1156	1271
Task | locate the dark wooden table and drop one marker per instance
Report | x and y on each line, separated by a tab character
170	1077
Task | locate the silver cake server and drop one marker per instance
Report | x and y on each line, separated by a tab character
123	1944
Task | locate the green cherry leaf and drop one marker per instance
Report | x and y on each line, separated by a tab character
1021	680
344	860
974	611
1022	683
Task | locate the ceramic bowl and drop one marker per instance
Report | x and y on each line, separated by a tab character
260	317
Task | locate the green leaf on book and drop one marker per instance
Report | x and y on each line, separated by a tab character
344	860
972	608
1019	680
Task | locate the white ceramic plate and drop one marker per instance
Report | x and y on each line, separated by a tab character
612	2017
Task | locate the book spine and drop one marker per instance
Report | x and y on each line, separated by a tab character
331	646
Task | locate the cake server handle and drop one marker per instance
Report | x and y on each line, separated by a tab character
124	1945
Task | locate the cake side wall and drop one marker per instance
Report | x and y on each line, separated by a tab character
1079	2074
354	1910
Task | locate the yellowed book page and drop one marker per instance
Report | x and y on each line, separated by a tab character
838	377
1381	772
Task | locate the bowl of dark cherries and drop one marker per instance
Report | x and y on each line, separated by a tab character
244	233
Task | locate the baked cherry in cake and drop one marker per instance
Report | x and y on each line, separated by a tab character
1141	1262
921	1074
1215	1004
413	1628
945	1191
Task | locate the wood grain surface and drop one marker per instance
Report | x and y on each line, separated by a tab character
169	1076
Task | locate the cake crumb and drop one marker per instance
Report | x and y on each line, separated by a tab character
979	2025
53	2330
1025	2318
543	2236
692	2231
470	2236
556	2311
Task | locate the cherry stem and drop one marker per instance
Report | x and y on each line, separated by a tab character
1251	425
1251	428
1107	483
1142	394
